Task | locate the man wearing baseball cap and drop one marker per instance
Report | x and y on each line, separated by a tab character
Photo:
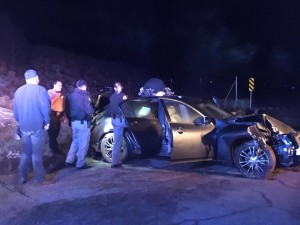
31	106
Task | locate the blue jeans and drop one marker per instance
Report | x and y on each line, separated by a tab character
80	144
33	149
118	124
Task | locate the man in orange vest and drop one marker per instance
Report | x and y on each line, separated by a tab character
56	115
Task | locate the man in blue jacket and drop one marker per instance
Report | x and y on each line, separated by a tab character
78	111
31	106
118	122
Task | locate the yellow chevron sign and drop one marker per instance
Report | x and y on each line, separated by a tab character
251	84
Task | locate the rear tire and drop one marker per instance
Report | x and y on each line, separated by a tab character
106	148
255	161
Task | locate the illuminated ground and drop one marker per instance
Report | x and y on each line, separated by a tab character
151	191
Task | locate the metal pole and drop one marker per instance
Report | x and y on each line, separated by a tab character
129	87
230	90
200	87
236	89
250	99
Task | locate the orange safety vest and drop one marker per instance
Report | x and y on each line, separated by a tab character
57	101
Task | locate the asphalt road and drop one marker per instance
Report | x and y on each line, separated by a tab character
152	191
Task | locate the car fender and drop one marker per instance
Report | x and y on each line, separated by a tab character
99	130
226	142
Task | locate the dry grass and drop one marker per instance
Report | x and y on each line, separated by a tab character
8	128
10	146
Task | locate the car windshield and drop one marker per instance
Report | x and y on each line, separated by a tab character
208	108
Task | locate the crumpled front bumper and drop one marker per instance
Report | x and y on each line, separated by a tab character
285	146
287	149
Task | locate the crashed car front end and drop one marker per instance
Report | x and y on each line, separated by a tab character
287	149
283	139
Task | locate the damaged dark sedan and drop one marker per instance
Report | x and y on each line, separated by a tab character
188	129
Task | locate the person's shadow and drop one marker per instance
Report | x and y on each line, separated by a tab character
54	163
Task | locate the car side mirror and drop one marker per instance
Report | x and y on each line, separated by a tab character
202	121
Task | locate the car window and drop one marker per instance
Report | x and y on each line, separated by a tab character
213	111
141	108
208	108
180	113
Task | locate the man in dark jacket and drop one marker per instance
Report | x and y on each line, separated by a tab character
31	106
118	122
79	110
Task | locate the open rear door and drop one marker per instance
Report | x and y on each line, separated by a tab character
142	118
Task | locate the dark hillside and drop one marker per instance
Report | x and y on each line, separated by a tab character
17	55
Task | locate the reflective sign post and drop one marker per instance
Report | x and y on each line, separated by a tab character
251	89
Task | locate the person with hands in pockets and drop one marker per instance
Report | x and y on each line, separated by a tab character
31	108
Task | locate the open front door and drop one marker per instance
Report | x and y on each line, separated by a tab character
142	118
188	141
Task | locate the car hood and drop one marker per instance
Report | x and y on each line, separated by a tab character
268	121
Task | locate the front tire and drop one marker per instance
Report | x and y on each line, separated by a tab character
254	160
106	148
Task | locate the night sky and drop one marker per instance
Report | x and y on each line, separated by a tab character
174	38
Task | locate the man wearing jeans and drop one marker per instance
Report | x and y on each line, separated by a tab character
79	110
31	106
118	122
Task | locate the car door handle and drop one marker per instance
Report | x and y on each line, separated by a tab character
180	130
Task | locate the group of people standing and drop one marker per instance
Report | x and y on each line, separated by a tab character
38	112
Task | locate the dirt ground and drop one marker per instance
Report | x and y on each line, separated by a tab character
151	191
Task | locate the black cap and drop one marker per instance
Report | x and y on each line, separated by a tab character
81	83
